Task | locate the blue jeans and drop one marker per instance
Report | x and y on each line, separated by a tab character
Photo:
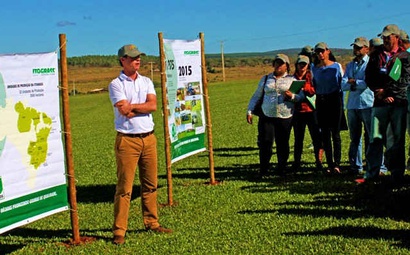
357	119
382	117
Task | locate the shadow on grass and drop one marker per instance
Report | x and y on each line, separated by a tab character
400	236
31	236
37	235
101	193
340	197
8	248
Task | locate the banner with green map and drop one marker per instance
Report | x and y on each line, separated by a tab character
32	167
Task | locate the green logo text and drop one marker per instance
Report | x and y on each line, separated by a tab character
49	70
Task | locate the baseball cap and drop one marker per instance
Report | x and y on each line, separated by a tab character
129	50
307	50
390	29
322	46
360	42
376	41
404	36
282	57
302	59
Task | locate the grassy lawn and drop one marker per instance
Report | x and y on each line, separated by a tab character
303	213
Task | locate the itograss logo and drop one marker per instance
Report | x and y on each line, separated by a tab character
191	52
44	71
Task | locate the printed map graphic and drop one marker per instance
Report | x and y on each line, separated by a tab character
24	127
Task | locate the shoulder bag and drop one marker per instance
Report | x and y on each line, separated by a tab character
258	107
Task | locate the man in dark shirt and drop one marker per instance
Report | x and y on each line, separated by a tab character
390	104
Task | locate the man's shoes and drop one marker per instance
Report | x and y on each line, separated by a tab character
118	240
160	230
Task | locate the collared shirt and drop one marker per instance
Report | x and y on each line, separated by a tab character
327	79
274	103
135	92
362	97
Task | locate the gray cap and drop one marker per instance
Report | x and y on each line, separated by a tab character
321	46
360	42
390	29
282	57
129	50
377	41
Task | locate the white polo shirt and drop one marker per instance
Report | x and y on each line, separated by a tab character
135	92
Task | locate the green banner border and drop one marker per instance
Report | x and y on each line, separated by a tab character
22	208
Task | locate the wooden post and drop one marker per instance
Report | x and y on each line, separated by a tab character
165	117
72	194
152	71
223	61
207	111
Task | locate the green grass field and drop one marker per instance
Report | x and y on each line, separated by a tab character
305	213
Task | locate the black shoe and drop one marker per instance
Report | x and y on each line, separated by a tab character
279	172
319	167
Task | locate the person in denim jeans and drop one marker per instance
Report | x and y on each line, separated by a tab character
390	105
359	102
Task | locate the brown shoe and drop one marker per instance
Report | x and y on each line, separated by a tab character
118	240
160	229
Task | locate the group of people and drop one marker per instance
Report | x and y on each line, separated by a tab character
375	84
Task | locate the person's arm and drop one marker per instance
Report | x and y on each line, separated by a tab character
132	110
308	88
257	95
347	81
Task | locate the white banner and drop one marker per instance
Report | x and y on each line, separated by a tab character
186	118
32	168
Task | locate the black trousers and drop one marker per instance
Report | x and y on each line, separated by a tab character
300	121
331	120
269	130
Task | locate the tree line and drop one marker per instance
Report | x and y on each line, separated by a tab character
212	60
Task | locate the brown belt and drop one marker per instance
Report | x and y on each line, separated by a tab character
141	135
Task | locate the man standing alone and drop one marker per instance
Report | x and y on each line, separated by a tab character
134	98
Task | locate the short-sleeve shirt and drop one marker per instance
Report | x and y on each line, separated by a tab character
135	92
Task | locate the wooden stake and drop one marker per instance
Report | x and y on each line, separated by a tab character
68	144
165	117
207	111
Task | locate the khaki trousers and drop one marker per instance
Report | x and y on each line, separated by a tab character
130	152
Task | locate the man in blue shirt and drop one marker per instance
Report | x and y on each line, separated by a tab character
359	103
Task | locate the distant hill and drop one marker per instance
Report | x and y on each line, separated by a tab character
289	52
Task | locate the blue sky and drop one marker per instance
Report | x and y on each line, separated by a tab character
101	27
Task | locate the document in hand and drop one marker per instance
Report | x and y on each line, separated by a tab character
395	71
312	101
296	86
